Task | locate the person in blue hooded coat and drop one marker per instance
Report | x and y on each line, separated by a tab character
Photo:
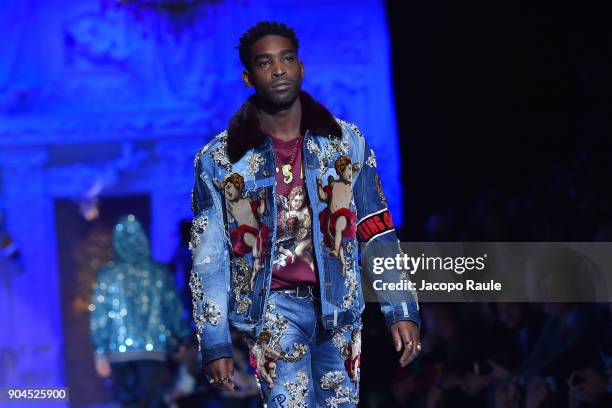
136	317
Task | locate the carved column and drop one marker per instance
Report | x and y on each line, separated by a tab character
36	342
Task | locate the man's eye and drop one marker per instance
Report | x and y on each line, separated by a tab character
263	64
289	58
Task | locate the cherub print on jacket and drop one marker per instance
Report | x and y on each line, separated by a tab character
337	220
249	235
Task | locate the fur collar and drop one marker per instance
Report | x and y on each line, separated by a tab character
244	131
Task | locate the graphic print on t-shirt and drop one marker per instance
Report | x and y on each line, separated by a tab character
294	263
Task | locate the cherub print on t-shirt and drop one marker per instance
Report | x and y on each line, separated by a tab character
295	225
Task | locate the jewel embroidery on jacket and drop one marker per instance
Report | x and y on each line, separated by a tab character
195	284
198	226
349	248
298	391
193	201
352	126
212	312
371	161
337	220
250	235
255	161
219	155
241	284
350	281
198	156
312	147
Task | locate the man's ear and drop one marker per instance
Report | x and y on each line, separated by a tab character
302	69
246	78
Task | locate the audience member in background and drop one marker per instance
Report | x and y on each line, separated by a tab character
136	318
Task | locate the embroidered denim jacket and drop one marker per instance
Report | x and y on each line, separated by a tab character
234	198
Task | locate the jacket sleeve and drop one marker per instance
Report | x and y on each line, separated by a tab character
209	281
376	233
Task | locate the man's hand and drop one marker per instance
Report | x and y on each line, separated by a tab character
403	333
222	368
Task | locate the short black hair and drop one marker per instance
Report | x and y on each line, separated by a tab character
260	30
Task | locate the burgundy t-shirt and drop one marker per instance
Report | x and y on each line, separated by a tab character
294	264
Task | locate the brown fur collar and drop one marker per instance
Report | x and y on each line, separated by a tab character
244	131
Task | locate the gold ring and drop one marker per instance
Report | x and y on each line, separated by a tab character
409	343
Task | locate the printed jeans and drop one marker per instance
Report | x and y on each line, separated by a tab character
300	365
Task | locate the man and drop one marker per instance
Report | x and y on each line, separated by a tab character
301	318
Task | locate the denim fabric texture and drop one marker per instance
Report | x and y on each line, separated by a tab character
315	371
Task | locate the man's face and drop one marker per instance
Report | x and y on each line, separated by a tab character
275	73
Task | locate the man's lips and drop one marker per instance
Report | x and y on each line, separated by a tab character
281	86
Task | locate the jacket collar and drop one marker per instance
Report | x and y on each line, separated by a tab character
244	131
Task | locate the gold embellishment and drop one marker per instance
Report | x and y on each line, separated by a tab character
241	284
299	351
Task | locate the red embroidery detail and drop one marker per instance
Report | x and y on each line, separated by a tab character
239	247
327	224
374	224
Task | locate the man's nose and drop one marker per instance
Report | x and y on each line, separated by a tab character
278	69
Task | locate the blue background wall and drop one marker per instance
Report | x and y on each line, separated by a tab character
95	102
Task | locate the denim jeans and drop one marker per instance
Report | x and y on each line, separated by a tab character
312	367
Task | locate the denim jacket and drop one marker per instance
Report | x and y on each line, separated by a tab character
230	288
